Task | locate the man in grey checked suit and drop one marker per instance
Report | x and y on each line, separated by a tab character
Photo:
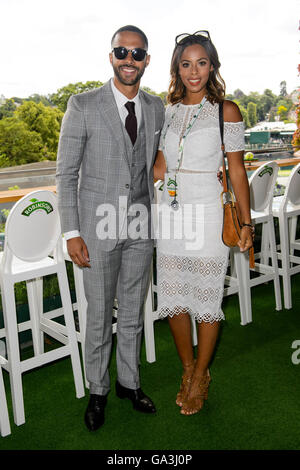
106	153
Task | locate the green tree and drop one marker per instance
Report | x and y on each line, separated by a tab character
44	120
286	102
18	145
251	111
239	95
163	95
17	99
36	98
282	112
268	101
7	109
272	114
283	91
230	97
296	136
149	90
256	98
61	97
244	113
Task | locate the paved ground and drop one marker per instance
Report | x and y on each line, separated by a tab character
43	174
31	175
30	166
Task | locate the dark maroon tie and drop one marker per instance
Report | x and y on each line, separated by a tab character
131	122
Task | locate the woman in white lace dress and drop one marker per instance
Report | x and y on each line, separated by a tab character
191	271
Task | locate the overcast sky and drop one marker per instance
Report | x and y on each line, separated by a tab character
46	44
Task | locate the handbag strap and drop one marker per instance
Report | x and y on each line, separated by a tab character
221	123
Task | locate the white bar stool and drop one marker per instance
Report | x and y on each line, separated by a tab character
4	418
262	183
287	209
32	233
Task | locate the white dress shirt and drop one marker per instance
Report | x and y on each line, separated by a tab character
121	100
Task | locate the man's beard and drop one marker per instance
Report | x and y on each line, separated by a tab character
128	82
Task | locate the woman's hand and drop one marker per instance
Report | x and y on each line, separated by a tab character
247	237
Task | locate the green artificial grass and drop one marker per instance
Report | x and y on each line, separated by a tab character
253	401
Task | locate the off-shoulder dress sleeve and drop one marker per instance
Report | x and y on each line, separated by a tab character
234	136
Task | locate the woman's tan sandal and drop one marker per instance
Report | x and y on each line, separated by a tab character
185	386
194	404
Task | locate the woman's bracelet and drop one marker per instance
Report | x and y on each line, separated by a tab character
250	226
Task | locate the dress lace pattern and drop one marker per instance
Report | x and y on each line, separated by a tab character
192	285
208	118
192	281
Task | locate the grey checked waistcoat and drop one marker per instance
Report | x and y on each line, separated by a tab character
139	191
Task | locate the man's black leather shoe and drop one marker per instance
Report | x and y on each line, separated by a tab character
94	414
139	400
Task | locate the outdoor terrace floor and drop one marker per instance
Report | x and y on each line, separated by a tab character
253	400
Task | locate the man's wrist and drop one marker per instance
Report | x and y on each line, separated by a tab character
71	234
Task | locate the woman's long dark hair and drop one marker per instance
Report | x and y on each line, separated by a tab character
215	85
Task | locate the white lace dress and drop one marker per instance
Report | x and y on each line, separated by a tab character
191	257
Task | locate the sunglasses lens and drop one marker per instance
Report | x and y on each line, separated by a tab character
183	38
138	54
120	53
203	34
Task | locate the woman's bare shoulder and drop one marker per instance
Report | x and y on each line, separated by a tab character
232	112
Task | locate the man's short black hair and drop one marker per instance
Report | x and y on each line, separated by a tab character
133	29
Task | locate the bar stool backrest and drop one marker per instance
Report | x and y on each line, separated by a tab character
262	183
33	227
292	193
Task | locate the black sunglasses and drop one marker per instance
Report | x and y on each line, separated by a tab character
121	53
184	37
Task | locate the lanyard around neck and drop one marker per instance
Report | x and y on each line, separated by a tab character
182	140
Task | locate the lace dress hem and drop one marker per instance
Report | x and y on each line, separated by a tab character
207	317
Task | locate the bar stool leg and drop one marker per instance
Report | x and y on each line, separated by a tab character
272	242
194	332
149	325
285	260
82	311
4	418
292	231
32	293
69	319
243	276
13	354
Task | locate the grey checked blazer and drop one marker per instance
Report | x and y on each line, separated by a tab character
92	164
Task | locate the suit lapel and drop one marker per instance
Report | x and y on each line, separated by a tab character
109	110
149	119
